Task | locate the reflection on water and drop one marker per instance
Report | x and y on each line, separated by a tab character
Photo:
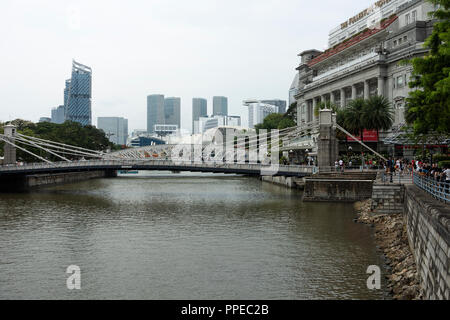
181	236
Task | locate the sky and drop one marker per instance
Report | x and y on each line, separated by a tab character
240	49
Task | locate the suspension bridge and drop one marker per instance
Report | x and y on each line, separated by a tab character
250	154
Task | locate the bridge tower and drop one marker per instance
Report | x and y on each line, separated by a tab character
327	146
10	151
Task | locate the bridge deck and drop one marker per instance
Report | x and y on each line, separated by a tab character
236	168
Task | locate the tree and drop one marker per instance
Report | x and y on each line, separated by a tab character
275	121
353	115
353	119
428	106
292	112
69	132
377	114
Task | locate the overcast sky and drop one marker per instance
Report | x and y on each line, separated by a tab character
197	48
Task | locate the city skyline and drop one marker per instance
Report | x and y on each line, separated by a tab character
92	41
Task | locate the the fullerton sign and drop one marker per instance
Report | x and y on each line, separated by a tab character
364	13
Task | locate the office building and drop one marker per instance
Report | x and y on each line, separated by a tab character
163	130
172	111
155	111
115	128
138	132
220	106
58	115
205	123
199	109
258	110
281	104
45	119
77	95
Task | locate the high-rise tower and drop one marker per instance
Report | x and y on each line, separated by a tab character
77	95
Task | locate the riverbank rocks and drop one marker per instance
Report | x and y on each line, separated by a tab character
391	239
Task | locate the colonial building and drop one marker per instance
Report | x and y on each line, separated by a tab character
364	58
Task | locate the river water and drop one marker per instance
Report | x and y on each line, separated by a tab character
182	236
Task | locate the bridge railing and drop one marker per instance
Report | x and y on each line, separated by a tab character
440	190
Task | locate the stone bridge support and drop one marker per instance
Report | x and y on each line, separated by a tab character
327	145
9	150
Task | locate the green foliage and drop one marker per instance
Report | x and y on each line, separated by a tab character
291	113
441	157
352	116
374	113
444	164
69	132
275	121
377	114
325	105
428	106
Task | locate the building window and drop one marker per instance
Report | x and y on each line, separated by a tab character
405	38
395	43
414	16
407	19
400	82
400	41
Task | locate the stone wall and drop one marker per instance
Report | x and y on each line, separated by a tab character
58	178
345	189
428	226
387	198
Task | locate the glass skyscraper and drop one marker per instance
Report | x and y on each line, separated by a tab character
199	109
155	111
220	106
172	111
77	95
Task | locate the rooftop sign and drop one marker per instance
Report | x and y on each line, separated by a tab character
377	5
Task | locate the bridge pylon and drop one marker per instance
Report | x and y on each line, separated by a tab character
10	150
327	146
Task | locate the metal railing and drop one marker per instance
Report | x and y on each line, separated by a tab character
440	190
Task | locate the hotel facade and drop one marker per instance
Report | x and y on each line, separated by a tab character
364	58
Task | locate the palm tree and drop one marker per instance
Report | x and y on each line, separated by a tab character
377	114
353	117
353	120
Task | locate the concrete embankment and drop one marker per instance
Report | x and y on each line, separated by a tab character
290	182
344	187
29	181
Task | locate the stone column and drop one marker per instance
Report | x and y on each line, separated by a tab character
381	85
327	145
353	92
342	97
332	97
314	108
366	89
9	150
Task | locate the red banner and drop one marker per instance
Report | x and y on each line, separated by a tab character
368	136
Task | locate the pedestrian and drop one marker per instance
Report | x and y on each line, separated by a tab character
341	165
